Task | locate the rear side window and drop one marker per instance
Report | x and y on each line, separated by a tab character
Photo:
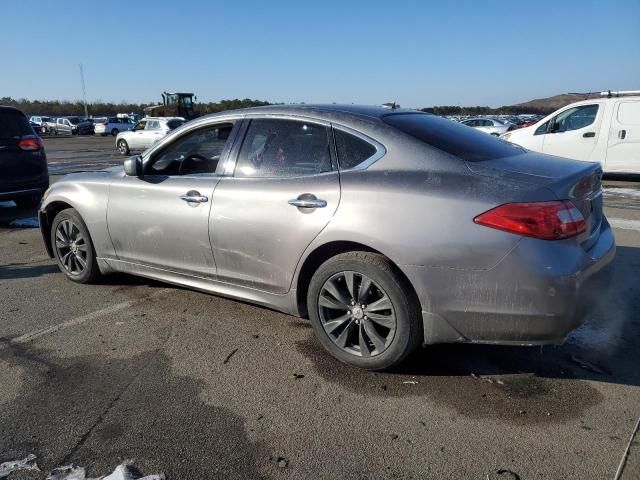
629	113
450	137
352	150
284	148
14	124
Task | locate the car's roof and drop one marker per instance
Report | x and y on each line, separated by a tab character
372	111
8	107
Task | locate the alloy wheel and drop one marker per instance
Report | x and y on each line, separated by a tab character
357	314
71	247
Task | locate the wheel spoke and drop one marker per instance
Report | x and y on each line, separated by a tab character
341	341
375	337
365	284
61	236
364	345
81	262
336	323
332	288
329	302
350	281
382	304
386	321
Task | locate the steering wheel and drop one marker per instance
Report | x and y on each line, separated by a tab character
194	156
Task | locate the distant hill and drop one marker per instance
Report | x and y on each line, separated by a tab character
549	104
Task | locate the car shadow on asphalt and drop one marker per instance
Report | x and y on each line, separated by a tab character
23	270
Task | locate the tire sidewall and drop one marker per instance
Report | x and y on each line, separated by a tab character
126	147
89	273
408	329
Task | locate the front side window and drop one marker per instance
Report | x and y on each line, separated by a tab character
284	148
574	118
140	125
196	153
542	129
352	150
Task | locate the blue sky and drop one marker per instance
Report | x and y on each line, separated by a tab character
418	53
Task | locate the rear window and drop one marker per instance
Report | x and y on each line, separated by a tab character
450	137
14	124
175	123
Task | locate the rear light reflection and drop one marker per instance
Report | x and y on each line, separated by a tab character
545	220
30	143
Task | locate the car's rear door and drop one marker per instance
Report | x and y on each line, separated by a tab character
623	147
278	196
162	219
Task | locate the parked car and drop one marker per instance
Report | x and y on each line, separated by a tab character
64	126
48	125
23	163
39	120
388	228
85	126
604	130
492	126
36	127
146	132
112	126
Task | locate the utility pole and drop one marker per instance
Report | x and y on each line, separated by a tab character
84	93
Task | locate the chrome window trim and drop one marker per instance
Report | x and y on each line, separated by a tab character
381	150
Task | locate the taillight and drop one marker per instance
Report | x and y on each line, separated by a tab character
546	220
30	143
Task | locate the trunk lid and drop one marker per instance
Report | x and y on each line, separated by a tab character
578	181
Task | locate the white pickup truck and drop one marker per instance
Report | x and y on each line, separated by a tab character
605	130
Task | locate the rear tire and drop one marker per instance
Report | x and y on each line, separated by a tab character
73	248
123	147
114	132
363	311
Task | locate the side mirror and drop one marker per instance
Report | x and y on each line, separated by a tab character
133	166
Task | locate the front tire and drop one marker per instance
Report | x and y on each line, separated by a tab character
123	147
363	311
73	248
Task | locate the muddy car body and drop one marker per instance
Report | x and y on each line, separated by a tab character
388	228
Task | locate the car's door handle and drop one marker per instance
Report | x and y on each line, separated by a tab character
589	134
306	201
622	134
193	196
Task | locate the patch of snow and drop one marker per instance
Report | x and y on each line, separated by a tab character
629	192
625	224
27	463
123	471
25	222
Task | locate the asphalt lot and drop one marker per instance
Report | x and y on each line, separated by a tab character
200	387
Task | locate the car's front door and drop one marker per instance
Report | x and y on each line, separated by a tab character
574	132
284	190
162	219
135	138
152	133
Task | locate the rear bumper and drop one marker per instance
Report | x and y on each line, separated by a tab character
535	295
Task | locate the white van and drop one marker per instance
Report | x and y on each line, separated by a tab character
605	130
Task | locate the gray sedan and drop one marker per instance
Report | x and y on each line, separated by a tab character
387	228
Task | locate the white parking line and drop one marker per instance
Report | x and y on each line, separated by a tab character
27	337
625	224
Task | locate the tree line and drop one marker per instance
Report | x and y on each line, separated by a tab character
505	110
99	108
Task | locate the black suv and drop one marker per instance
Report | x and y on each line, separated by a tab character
23	164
